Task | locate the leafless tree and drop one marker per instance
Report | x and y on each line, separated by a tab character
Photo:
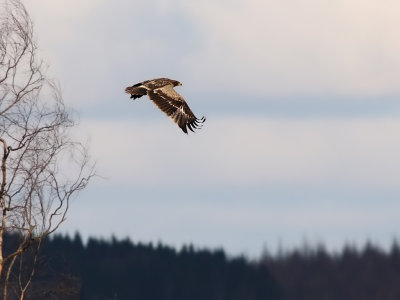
42	167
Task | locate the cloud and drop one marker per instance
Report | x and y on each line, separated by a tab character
292	47
99	48
241	221
263	48
250	152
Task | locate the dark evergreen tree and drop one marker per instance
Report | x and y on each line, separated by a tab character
120	269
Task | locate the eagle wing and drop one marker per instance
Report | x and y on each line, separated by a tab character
175	107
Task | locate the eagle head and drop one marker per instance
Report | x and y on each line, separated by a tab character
176	83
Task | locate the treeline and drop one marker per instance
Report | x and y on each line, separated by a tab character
313	273
120	269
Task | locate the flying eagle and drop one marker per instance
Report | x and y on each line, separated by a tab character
161	92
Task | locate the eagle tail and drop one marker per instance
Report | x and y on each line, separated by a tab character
136	91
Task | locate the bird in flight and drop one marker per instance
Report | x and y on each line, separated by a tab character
161	92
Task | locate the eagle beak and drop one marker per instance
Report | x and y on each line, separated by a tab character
179	83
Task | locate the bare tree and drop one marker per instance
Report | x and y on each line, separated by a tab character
41	165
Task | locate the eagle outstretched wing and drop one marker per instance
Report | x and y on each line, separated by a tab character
161	92
175	107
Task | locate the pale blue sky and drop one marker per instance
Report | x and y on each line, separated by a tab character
302	138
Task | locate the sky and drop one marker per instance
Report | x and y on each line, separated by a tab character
302	137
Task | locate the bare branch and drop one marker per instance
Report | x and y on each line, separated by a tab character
42	168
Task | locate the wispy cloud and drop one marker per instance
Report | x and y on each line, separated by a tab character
292	47
264	48
242	151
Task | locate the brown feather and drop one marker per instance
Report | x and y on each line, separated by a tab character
161	92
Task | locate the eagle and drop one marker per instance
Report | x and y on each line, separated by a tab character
161	92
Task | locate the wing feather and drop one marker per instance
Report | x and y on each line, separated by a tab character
175	107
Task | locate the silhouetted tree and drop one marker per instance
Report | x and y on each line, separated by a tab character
123	270
369	274
35	185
